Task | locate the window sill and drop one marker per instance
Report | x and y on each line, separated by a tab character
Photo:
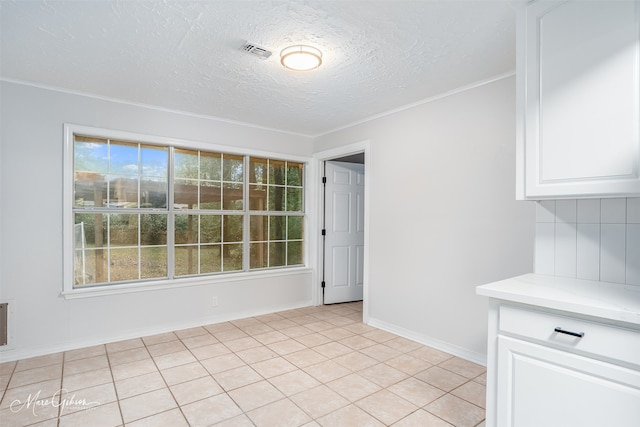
159	285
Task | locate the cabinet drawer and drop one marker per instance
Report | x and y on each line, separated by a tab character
597	338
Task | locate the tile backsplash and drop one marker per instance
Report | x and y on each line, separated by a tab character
593	239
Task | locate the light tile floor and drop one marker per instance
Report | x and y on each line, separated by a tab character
315	366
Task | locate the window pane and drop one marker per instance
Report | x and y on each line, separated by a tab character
277	254
259	224
153	229
90	266
123	264
232	257
294	227
232	168
258	254
232	228
294	173
210	229
153	262
210	164
186	261
232	197
154	161
186	229
123	230
91	163
294	199
257	170
185	164
90	230
210	259
90	260
123	158
209	195
185	194
90	189
276	198
90	155
123	192
294	253
276	172
258	197
153	193
277	229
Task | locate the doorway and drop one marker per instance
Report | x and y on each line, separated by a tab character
343	232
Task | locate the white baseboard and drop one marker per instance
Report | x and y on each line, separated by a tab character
9	355
463	353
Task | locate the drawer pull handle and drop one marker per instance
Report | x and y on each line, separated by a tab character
573	334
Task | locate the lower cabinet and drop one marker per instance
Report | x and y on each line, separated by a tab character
556	369
542	386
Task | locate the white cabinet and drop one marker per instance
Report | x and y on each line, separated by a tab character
546	387
562	353
578	99
548	379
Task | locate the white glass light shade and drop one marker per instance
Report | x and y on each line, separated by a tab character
301	58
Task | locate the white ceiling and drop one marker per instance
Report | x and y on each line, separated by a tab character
185	56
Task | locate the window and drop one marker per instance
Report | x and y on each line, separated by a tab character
275	190
145	210
206	187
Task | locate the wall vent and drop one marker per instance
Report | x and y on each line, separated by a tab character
256	50
4	316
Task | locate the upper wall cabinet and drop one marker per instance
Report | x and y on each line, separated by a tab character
578	99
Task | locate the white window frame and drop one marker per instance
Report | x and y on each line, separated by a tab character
69	292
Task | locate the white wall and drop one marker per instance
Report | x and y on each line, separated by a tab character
592	239
31	153
443	215
443	220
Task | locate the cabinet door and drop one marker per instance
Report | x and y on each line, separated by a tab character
579	98
541	386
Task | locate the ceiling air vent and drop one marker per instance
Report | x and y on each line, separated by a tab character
256	50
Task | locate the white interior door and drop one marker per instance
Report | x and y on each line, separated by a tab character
344	225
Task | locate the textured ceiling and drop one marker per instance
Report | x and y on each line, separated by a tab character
184	55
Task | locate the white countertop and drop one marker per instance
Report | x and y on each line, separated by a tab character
600	299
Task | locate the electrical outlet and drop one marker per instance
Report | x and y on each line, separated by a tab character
214	301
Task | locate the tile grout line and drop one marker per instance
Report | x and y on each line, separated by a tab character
165	381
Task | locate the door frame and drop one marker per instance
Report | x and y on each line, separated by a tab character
319	158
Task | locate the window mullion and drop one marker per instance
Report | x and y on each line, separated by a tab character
139	179
286	240
139	246
246	219
171	253
198	241
139	206
222	237
108	248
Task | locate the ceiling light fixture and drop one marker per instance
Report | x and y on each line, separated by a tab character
301	57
